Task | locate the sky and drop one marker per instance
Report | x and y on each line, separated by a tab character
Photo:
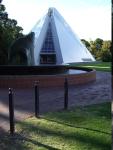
89	19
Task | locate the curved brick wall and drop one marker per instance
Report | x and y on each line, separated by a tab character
27	81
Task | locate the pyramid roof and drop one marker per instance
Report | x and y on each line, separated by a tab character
56	42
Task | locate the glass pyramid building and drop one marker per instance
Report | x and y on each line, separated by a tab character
55	42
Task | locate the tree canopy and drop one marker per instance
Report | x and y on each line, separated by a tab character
99	48
9	31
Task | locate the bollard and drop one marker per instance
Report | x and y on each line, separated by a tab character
11	112
37	99
66	94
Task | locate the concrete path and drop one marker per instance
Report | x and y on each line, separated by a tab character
51	99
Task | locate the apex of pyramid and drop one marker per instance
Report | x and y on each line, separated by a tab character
51	10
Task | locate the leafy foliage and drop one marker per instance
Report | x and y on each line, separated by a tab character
9	31
106	51
99	48
86	43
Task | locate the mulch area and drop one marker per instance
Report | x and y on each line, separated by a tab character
52	99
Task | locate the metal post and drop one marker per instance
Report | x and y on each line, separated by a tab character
66	94
11	112
36	99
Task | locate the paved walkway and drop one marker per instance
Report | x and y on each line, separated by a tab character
51	99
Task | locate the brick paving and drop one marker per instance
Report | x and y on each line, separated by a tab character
51	99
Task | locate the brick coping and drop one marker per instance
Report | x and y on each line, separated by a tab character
25	81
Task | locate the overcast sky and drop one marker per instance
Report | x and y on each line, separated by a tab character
89	19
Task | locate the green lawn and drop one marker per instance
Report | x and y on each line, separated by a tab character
99	66
81	128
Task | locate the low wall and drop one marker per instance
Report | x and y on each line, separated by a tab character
27	81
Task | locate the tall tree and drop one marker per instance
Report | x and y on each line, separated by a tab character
93	48
86	43
9	31
106	51
98	43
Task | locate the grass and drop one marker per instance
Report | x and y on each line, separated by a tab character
99	66
81	128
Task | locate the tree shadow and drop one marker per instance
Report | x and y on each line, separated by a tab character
79	127
18	140
82	136
24	103
75	136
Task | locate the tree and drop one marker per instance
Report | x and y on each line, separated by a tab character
86	43
90	46
99	48
106	51
9	31
98	43
93	48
